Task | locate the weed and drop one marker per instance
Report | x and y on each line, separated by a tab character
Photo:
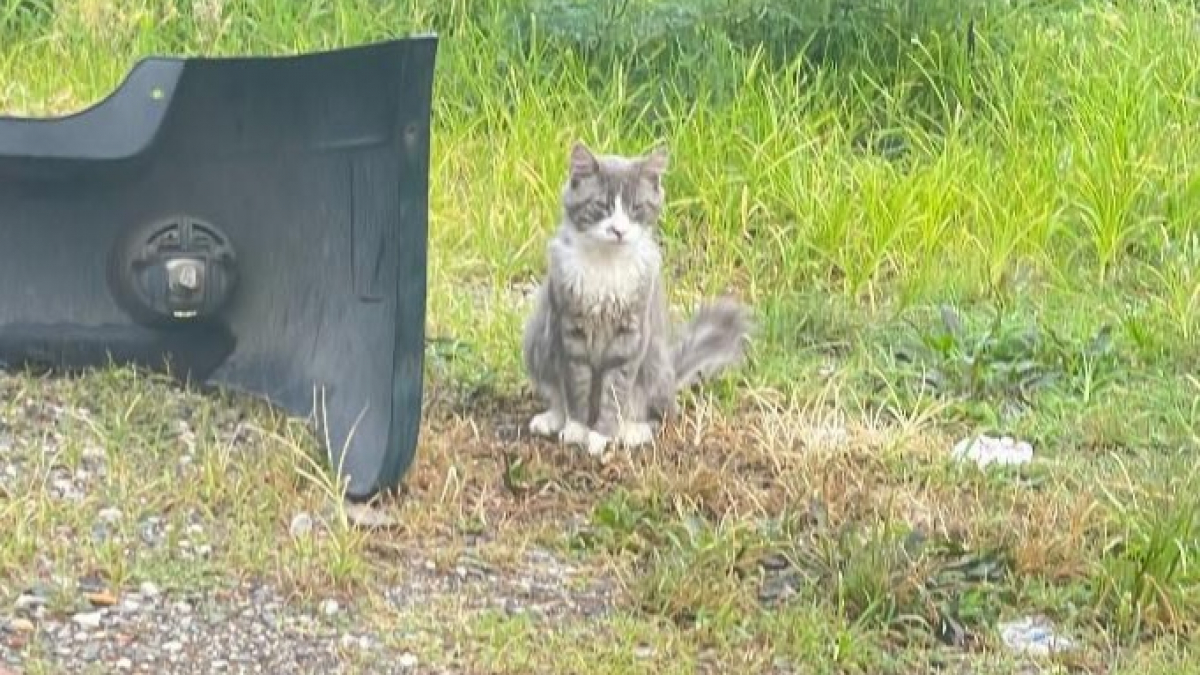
1148	568
999	366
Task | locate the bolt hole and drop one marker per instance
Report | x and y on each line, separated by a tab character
157	93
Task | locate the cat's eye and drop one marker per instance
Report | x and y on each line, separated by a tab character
597	210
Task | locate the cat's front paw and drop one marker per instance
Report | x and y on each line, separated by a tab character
574	433
597	443
635	434
547	424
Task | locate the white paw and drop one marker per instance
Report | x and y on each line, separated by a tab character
547	424
574	433
635	434
596	443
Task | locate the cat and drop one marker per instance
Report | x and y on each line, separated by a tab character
597	346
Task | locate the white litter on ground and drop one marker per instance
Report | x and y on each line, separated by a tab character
985	450
1033	636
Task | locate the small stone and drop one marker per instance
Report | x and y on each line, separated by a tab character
408	661
643	652
92	453
101	599
124	664
778	588
351	642
172	647
774	562
330	607
89	619
66	489
20	625
369	517
29	601
151	531
90	652
302	525
91	584
148	589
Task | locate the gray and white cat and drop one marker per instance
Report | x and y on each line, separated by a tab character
598	346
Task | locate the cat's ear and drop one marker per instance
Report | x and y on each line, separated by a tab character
583	162
655	164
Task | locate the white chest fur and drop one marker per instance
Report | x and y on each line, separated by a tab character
605	282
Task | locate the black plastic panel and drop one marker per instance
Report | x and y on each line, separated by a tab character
314	168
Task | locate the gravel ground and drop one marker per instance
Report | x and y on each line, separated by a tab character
251	630
256	629
542	587
73	621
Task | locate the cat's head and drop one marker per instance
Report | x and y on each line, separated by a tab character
614	200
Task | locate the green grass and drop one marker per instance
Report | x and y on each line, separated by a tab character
937	240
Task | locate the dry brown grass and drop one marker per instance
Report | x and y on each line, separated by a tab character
771	457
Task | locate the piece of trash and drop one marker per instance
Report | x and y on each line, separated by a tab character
985	450
1033	636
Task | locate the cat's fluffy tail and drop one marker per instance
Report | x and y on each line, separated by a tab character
715	339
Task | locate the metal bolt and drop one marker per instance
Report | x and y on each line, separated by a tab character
184	275
188	277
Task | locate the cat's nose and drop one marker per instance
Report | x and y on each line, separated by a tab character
617	232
